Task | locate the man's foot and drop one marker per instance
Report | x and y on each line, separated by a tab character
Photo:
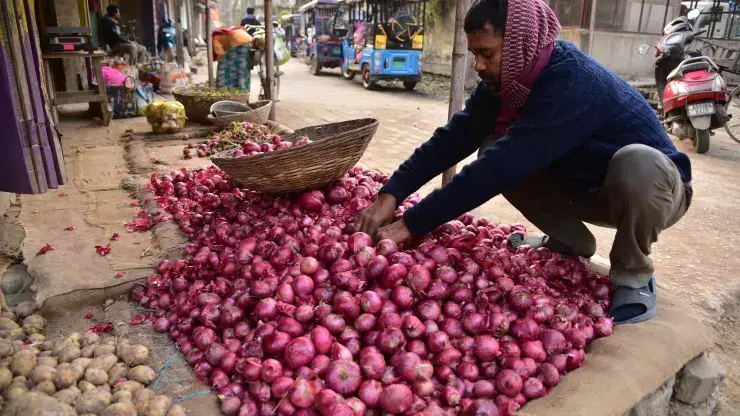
536	241
630	306
532	240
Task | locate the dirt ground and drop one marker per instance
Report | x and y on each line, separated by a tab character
695	259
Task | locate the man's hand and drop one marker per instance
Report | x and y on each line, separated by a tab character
378	214
396	232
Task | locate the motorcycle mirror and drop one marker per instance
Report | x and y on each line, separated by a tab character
643	49
693	14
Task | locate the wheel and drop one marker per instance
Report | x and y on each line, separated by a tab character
367	81
348	74
315	65
409	85
733	106
701	141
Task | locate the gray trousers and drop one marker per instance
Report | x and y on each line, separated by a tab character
642	195
136	53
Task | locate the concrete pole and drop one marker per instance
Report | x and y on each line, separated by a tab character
269	57
592	28
177	12
209	44
459	58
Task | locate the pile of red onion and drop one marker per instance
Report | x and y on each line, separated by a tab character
285	309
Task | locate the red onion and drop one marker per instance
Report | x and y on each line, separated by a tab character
486	348
320	364
407	366
403	297
161	325
525	329
393	276
533	388
390	340
369	392
483	389
534	350
230	405
299	352
396	398
387	248
509	383
373	366
303	393
603	327
576	337
451	396
281	386
322	340
343	377
275	343
271	370
549	374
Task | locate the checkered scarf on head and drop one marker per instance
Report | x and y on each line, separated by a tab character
531	26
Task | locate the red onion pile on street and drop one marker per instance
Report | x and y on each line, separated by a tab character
284	309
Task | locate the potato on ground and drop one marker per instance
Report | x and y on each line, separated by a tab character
37	404
68	395
88	351
85	386
14	391
6	377
130	386
89	339
135	354
159	406
96	376
69	354
118	372
101	350
65	378
36	339
122	396
7	324
142	373
23	362
42	373
141	399
120	409
48	361
46	387
6	348
25	309
94	401
104	363
34	324
60	345
177	410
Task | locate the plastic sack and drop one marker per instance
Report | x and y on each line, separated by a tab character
172	76
143	95
114	78
282	54
165	116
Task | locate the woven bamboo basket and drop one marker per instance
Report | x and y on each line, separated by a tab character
198	104
335	148
258	114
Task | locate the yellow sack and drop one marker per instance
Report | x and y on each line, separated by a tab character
166	116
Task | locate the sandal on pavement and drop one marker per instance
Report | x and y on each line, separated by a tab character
630	306
536	241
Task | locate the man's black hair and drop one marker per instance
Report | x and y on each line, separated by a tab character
250	10
486	12
112	9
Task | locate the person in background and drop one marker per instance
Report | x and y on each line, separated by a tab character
563	139
112	37
249	18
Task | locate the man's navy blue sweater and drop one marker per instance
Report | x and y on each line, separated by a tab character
577	116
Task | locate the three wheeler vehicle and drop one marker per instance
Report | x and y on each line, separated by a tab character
386	43
324	33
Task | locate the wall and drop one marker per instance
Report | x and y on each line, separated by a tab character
438	43
617	51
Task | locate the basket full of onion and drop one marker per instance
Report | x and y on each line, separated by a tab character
311	158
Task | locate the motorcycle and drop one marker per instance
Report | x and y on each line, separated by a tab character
166	42
691	90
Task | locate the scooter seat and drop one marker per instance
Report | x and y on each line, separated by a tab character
689	65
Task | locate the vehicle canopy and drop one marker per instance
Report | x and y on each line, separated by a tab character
391	24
